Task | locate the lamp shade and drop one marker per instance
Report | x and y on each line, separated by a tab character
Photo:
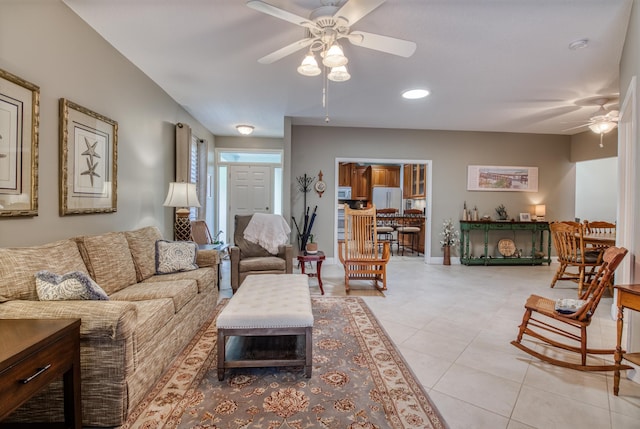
602	127
339	74
182	194
334	57
309	66
541	210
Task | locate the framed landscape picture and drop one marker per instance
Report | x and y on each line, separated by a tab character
88	161
19	122
496	178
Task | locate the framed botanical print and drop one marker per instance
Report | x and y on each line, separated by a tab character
88	161
19	122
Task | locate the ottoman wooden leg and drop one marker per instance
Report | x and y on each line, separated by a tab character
308	352
221	354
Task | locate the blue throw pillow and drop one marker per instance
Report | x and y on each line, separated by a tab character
175	256
75	285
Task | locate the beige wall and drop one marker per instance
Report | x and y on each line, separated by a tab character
45	43
316	148
586	146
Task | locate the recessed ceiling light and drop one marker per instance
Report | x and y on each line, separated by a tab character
414	94
245	130
579	44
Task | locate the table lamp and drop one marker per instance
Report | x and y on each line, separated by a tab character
541	211
182	196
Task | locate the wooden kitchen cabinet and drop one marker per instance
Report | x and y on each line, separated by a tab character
344	173
415	181
385	175
361	182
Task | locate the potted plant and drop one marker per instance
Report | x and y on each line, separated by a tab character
312	247
450	238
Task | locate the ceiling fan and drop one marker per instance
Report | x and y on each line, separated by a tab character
329	23
603	120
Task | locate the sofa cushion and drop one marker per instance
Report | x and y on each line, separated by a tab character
109	260
153	314
247	248
142	243
175	256
271	263
19	265
75	285
180	291
204	277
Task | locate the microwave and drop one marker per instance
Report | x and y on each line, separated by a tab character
344	192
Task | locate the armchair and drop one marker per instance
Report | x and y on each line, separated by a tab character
251	258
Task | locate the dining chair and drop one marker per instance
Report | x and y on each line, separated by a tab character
386	226
359	252
600	227
409	230
567	321
577	263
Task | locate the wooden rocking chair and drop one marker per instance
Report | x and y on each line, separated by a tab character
572	326
359	252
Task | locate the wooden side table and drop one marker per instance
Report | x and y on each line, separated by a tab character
33	353
304	257
628	297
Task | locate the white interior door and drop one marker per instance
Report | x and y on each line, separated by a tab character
249	192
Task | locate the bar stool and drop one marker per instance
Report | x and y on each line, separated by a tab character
386	225
410	228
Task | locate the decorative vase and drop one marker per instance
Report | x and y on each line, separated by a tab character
447	255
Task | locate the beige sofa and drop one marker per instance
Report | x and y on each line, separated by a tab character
126	342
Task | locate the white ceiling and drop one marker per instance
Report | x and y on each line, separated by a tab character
491	65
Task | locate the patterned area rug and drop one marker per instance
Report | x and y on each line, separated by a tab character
359	381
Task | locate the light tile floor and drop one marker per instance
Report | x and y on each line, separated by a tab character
453	324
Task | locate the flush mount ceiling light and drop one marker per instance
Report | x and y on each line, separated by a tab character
245	130
579	44
414	94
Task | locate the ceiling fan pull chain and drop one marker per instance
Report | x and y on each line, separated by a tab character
325	96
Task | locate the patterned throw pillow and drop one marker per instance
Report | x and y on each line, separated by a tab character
75	285
175	256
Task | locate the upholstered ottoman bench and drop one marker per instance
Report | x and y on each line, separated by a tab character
266	316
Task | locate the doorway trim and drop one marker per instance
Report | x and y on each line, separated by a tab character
429	206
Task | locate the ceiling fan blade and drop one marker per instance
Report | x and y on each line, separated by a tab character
287	50
354	10
280	13
390	45
576	128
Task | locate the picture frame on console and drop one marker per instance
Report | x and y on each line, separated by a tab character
88	161
525	217
19	130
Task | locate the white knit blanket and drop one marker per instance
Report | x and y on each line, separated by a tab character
267	230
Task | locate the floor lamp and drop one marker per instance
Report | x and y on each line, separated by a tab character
182	196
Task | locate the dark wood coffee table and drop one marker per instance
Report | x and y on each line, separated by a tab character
35	352
304	257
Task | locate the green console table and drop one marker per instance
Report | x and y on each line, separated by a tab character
539	234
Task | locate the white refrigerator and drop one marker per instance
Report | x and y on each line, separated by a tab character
385	198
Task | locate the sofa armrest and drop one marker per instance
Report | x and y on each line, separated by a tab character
114	320
285	251
208	258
